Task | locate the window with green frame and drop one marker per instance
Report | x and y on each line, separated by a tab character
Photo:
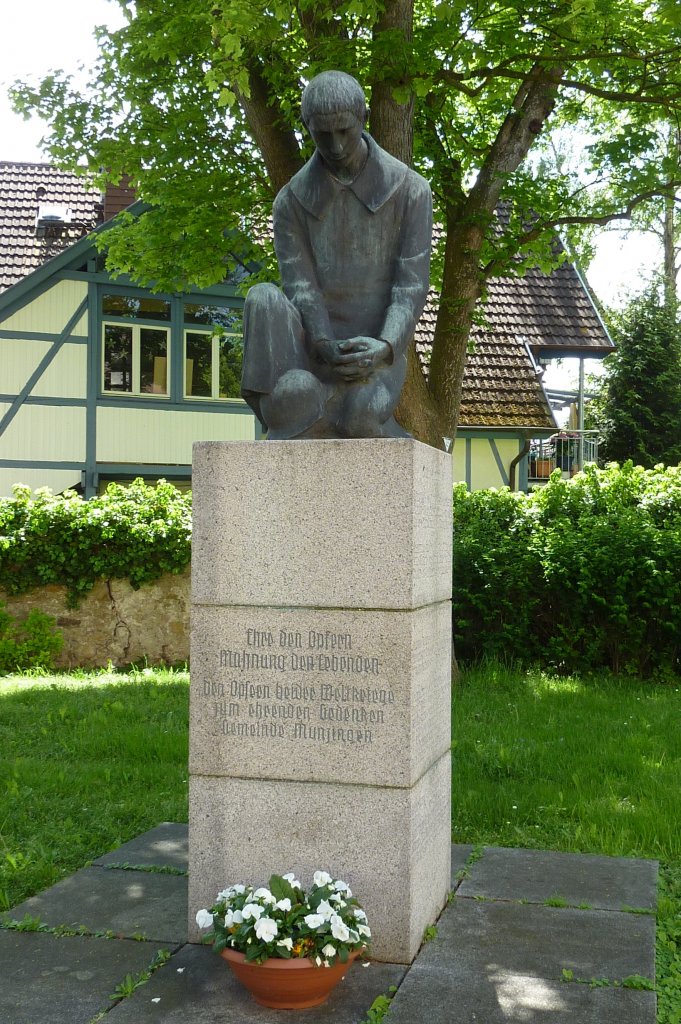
139	332
213	351
135	345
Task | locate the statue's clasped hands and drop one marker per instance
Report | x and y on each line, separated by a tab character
354	358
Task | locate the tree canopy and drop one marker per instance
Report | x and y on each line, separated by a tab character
638	410
199	103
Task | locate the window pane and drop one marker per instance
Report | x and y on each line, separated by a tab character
231	358
134	307
117	357
198	365
214	316
153	361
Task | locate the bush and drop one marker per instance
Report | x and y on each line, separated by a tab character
33	643
136	533
579	575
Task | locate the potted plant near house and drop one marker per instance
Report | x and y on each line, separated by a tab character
288	947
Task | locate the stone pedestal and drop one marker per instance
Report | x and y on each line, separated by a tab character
320	674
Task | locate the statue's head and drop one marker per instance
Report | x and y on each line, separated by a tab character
333	92
334	111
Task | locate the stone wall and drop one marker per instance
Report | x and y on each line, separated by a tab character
114	623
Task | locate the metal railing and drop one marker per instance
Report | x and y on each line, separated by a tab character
567	450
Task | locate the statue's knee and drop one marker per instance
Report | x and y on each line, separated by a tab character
264	297
364	412
297	401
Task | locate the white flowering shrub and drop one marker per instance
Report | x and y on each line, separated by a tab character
326	924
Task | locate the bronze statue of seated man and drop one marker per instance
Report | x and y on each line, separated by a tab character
327	356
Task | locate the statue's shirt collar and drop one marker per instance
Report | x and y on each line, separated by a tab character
314	187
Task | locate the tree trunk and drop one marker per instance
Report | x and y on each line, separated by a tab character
278	145
392	123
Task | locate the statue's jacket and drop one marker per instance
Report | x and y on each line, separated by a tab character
354	259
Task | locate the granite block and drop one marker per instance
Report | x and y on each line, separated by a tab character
332	696
610	883
163	847
302	524
197	985
124	902
392	845
501	962
65	980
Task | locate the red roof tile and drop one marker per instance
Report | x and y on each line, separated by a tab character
23	188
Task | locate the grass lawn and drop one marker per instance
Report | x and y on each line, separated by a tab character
90	761
86	763
592	766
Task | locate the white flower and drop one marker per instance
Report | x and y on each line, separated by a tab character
338	899
266	929
359	913
252	910
339	929
342	887
264	894
314	920
321	878
287	943
284	904
226	894
292	880
326	910
233	917
204	919
329	950
318	961
364	930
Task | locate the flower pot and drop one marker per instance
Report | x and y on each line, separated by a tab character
287	984
543	469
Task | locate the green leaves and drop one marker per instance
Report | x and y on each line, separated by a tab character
579	575
138	532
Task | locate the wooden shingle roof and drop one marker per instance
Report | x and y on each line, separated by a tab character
24	187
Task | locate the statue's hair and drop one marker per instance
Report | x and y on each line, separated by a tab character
333	92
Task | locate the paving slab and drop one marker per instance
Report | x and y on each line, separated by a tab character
608	883
498	961
460	855
64	980
164	846
124	902
198	985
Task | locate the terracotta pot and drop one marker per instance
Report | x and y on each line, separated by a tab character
287	984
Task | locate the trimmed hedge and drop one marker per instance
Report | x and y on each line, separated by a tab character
578	575
136	533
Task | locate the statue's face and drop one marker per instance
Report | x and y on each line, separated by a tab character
338	137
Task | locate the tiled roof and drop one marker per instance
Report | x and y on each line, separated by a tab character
23	188
501	387
552	313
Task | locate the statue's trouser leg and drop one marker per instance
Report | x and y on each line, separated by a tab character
276	380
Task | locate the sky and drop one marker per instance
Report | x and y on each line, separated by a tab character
41	35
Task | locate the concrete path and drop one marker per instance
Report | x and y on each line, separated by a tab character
528	938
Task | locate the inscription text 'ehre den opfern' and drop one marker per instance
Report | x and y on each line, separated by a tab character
345	709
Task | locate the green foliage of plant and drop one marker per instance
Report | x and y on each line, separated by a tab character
136	533
638	408
380	1007
668	955
29	644
579	575
131	982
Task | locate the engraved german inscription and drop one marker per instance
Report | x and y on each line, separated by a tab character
304	699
